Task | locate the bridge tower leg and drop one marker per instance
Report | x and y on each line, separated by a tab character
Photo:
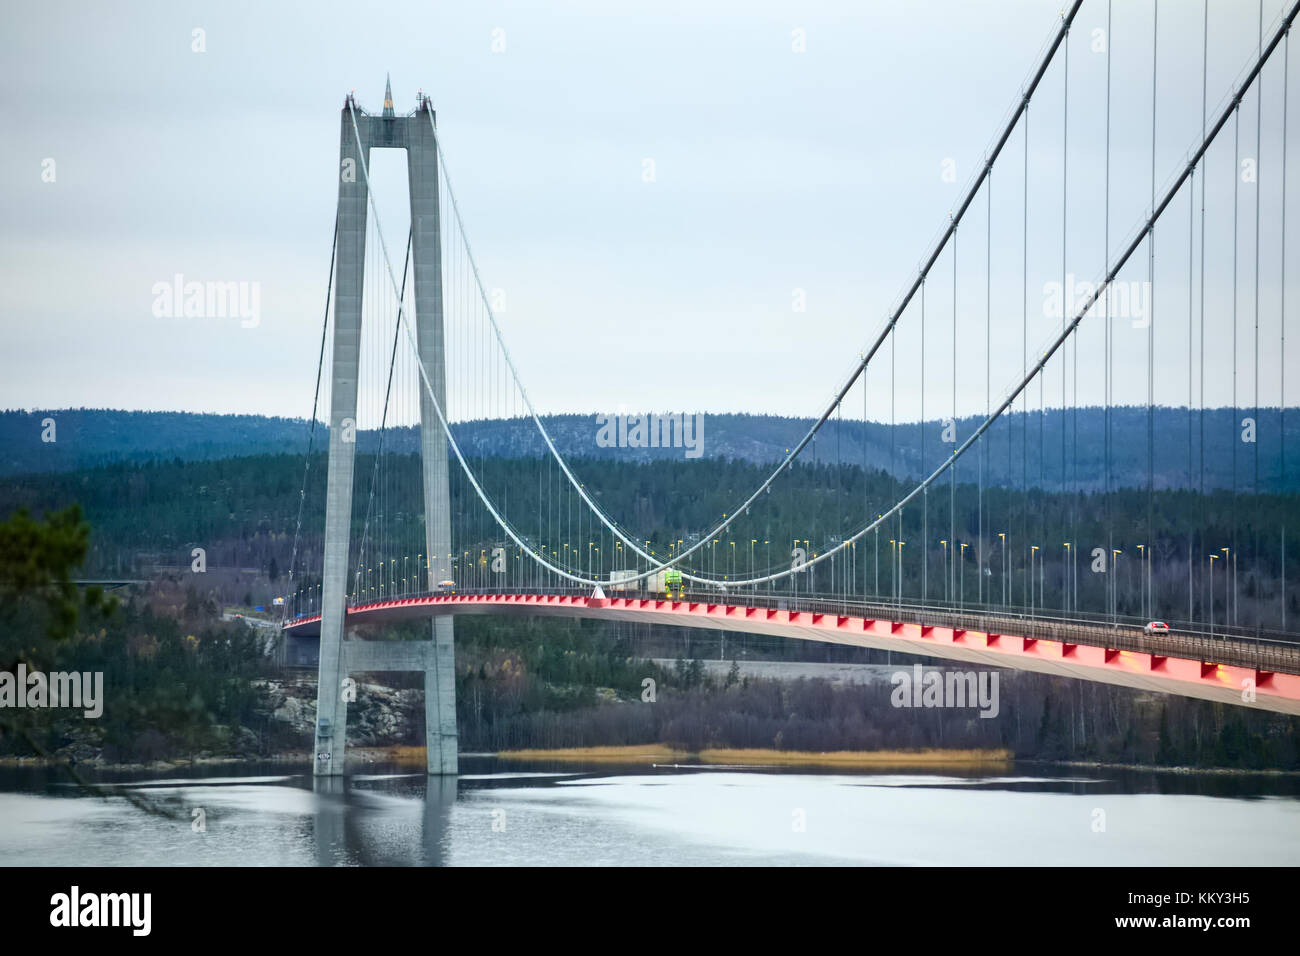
339	656
441	736
331	709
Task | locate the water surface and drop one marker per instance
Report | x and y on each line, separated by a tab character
502	813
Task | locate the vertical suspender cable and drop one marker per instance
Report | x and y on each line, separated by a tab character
1024	333
1191	252
1281	469
375	480
311	435
1232	424
988	316
1151	329
1205	62
1110	522
1259	162
1281	459
1065	169
893	422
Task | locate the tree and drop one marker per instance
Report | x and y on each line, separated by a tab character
37	559
1165	753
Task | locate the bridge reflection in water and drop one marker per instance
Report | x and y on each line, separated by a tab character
354	827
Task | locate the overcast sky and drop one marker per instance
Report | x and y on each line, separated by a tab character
775	170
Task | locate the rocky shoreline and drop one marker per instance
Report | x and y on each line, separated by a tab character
301	758
380	732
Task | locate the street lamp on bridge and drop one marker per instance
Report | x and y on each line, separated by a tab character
1005	599
893	578
1144	581
961	560
1068	575
878	517
1033	549
1230	593
1213	558
1114	586
946	595
897	548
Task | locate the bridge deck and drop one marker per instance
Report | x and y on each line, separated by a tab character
1196	665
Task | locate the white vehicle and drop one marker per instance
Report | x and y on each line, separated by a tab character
1155	627
620	580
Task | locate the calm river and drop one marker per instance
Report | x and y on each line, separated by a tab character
498	813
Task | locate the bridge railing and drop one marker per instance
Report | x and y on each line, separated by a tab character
853	605
1273	652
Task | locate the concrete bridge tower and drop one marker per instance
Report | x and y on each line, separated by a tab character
339	656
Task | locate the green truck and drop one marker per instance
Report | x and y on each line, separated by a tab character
667	582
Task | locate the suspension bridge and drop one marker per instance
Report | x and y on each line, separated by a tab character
424	521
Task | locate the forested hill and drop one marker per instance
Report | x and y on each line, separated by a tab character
1019	448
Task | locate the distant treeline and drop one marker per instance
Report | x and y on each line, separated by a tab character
1033	449
176	681
243	512
541	683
